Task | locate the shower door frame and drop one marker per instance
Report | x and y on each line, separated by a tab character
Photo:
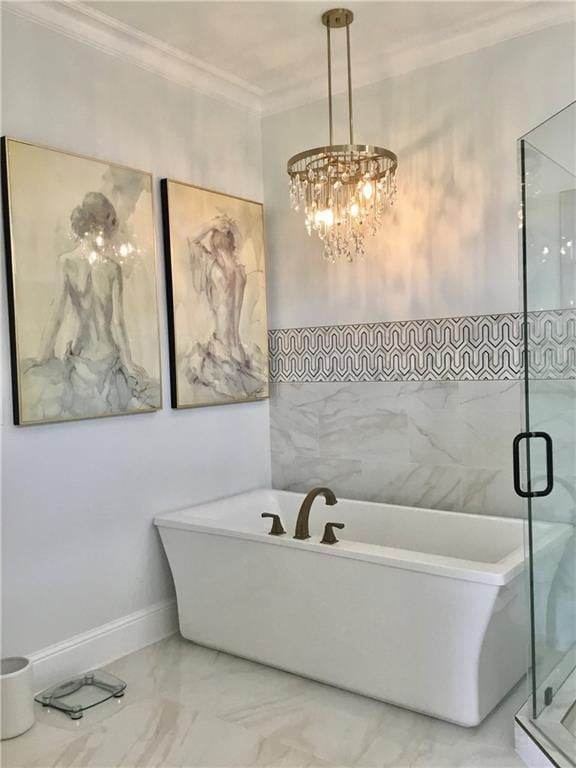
564	667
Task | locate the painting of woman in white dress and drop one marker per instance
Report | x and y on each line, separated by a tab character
84	291
217	296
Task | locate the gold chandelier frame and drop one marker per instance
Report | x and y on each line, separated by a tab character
330	154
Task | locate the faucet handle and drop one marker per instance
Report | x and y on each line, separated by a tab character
277	527
329	537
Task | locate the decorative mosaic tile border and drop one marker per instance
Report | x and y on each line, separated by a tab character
552	348
454	348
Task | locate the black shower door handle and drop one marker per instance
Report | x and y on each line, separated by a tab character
549	465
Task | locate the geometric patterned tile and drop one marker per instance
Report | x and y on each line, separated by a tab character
455	348
552	344
448	349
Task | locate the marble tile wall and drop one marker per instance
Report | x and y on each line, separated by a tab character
440	444
424	412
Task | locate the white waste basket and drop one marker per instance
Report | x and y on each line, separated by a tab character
16	696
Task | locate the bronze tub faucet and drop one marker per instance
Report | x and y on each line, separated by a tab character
277	527
302	528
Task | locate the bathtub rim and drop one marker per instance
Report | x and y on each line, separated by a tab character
499	573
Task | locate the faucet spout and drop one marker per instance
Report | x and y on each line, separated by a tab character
302	524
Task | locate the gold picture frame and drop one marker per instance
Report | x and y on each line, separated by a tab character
216	291
82	285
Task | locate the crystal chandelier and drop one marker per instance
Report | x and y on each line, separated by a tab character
344	189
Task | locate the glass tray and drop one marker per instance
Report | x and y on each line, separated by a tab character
82	692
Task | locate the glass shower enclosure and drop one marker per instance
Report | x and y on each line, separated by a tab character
545	454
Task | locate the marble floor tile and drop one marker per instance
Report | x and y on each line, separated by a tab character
172	665
243	693
189	707
394	736
464	755
160	733
306	724
32	749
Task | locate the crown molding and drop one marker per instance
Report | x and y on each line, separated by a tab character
88	26
495	26
91	27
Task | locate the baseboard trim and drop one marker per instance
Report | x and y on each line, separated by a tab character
103	644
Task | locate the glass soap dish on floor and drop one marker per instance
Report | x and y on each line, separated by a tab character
82	692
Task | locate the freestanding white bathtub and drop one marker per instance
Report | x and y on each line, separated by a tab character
420	608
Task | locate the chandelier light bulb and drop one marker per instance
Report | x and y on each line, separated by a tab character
325	217
367	190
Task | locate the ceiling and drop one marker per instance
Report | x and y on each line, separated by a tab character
271	56
275	47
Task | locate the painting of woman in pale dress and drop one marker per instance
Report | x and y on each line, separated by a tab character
218	297
85	347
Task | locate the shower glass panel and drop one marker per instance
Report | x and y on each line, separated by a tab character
548	166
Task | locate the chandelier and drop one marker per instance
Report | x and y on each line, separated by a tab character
344	189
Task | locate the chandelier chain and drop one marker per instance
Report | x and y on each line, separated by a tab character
350	116
330	109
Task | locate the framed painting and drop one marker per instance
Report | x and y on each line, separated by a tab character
82	295
216	286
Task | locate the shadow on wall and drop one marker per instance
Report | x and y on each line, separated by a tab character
442	214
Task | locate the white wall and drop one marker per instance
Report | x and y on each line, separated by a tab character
450	246
79	549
